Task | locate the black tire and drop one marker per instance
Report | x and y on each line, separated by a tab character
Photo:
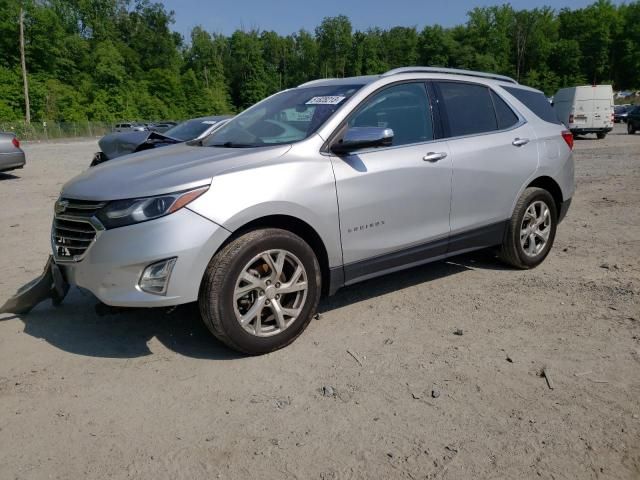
601	136
630	128
216	300
512	251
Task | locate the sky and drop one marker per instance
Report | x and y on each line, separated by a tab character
289	16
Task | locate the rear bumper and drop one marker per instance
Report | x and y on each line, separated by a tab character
115	261
580	131
11	161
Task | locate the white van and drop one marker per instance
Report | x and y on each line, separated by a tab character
586	109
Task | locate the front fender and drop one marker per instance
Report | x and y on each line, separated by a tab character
302	189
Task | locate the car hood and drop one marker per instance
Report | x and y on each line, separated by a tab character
169	169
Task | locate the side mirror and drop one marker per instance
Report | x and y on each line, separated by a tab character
363	137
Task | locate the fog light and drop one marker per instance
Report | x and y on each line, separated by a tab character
155	278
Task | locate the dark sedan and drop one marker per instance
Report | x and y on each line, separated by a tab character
11	155
633	120
118	144
620	113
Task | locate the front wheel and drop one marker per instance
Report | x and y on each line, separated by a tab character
601	135
630	129
260	291
531	229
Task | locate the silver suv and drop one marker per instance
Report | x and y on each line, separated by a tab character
317	187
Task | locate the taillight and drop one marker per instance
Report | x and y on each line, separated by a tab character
568	137
16	142
571	118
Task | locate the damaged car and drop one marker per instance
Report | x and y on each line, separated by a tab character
312	189
118	144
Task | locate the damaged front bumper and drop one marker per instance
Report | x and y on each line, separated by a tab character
51	284
113	265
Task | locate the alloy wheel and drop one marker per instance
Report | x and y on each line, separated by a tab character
535	228
270	293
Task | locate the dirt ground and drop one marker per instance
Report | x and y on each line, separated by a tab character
444	384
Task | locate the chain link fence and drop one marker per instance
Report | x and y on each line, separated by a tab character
52	131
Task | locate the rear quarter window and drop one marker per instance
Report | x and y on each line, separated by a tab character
504	114
536	102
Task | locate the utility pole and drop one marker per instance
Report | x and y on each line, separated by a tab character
25	80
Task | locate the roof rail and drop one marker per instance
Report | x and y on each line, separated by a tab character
451	71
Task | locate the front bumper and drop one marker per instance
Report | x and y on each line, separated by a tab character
114	263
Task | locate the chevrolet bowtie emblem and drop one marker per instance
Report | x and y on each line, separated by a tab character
61	206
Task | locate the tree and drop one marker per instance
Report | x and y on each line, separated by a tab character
120	59
401	45
23	64
334	42
246	69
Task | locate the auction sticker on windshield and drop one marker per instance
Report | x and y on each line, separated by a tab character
326	100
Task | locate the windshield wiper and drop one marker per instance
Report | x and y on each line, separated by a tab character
233	145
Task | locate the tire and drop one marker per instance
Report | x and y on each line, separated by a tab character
630	128
601	136
512	250
248	254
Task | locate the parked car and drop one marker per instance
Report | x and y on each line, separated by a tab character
130	127
161	127
314	188
11	155
118	144
586	109
620	113
633	120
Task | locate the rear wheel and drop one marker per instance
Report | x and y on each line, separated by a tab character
260	292
601	135
531	230
630	128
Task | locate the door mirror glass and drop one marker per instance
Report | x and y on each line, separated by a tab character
356	138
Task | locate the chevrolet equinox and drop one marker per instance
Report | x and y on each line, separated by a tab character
318	187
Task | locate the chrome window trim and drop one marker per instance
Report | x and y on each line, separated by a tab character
384	149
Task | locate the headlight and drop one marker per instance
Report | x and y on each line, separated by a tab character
120	213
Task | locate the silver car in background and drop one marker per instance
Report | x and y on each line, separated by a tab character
130	127
11	155
315	188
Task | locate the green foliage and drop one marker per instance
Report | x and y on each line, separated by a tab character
334	42
112	60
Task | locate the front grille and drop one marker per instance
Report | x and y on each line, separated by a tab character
75	228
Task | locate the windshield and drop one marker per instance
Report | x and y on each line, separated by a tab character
286	117
190	129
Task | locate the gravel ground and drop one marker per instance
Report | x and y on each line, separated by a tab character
445	382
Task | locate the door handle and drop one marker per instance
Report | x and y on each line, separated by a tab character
519	142
434	156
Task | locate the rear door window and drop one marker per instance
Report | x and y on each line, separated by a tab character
536	102
469	108
506	117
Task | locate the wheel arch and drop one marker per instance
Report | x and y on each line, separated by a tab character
551	186
298	227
